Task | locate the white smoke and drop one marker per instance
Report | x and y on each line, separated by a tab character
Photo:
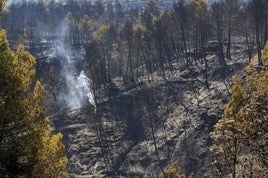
76	91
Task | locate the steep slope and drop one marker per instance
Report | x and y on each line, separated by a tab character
138	132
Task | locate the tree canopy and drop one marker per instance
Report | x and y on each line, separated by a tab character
27	146
240	139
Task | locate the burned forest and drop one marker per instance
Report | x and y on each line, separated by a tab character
124	88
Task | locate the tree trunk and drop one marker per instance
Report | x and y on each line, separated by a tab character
229	37
220	40
258	43
249	48
265	23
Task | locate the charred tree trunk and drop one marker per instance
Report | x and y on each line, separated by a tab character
228	53
258	40
217	13
249	44
265	22
130	65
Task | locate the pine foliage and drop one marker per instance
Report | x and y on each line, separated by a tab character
240	138
27	147
173	170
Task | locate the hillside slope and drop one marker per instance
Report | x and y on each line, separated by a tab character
137	132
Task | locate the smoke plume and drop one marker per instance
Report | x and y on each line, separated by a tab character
75	92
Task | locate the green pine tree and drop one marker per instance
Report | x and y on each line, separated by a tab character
240	138
27	146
